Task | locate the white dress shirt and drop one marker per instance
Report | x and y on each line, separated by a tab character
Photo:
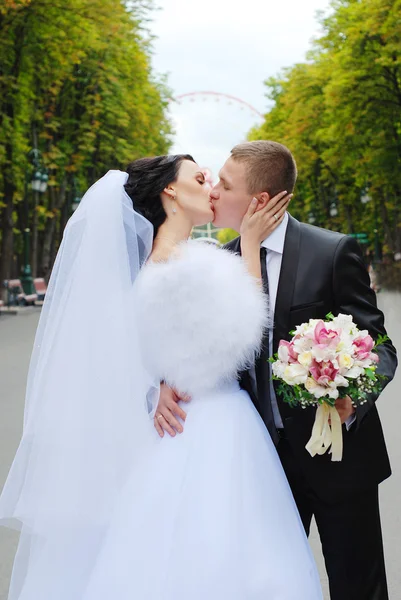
274	245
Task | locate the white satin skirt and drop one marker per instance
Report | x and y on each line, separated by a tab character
207	515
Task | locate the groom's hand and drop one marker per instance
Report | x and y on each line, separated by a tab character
344	408
168	412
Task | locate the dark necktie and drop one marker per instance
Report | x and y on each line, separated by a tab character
262	368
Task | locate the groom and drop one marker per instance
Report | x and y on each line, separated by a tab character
311	272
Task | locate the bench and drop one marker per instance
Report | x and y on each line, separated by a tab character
16	294
40	287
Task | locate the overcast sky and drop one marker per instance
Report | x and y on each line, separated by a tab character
227	47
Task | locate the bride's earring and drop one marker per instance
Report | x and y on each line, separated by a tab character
174	197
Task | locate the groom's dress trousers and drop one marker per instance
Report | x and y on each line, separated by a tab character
318	272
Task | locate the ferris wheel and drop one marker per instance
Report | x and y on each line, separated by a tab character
219	114
228	99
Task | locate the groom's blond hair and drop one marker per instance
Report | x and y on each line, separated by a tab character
270	166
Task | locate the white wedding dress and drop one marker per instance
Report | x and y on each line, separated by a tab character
207	515
215	519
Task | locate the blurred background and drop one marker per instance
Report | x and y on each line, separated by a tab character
86	86
90	85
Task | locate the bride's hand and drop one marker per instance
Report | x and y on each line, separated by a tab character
259	223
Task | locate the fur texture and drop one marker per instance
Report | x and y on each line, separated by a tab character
201	317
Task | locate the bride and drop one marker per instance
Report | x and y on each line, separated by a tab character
108	510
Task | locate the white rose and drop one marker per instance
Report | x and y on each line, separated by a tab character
302	344
344	322
361	334
305	358
345	360
366	363
278	368
324	353
333	393
355	371
307	327
340	381
295	374
345	344
314	388
283	354
301	329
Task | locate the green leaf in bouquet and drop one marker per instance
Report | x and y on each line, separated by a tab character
294	395
288	394
371	374
327	400
381	339
330	316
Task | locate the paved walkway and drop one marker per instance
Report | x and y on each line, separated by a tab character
16	338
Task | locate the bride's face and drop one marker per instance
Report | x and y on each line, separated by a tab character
192	194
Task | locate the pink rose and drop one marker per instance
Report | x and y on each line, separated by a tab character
326	337
292	354
323	372
363	347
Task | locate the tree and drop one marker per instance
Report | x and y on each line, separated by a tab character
76	83
226	235
340	115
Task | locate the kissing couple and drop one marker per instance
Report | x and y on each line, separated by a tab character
107	506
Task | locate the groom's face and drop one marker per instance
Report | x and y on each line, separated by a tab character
230	196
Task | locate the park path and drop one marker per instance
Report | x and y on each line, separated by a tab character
16	338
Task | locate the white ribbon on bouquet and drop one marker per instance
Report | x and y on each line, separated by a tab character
326	433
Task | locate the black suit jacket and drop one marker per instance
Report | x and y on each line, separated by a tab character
323	271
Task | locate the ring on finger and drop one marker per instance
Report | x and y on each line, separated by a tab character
159	417
275	217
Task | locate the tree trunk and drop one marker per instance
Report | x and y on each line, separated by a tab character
348	214
53	252
34	238
6	251
7	241
50	232
387	228
397	221
49	240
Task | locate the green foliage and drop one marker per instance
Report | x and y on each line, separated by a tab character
381	340
75	82
340	114
358	390
226	235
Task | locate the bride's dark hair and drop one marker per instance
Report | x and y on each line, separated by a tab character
147	178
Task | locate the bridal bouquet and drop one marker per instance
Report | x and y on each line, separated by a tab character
326	360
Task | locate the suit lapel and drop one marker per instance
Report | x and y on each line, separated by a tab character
286	284
235	246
